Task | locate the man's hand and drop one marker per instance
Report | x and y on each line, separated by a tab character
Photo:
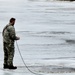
17	38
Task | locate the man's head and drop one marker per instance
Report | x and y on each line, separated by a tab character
12	21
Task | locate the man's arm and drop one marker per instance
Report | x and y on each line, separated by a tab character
12	33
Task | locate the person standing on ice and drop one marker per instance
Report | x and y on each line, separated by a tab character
9	37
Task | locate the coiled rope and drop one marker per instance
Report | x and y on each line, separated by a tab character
24	61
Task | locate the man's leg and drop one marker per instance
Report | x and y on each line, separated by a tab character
11	56
5	55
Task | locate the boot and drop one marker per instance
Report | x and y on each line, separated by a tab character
12	67
5	67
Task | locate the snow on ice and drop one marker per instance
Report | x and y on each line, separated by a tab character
47	32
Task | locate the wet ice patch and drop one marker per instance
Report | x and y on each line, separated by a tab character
53	32
56	69
44	69
70	41
60	32
48	33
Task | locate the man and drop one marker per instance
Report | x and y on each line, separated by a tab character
9	37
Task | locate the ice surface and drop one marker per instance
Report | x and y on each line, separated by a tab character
47	32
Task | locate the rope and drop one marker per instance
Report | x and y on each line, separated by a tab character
24	61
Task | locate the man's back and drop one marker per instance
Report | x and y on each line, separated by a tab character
8	33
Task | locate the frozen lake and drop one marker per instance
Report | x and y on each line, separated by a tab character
47	32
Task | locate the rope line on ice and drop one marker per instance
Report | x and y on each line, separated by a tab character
24	61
